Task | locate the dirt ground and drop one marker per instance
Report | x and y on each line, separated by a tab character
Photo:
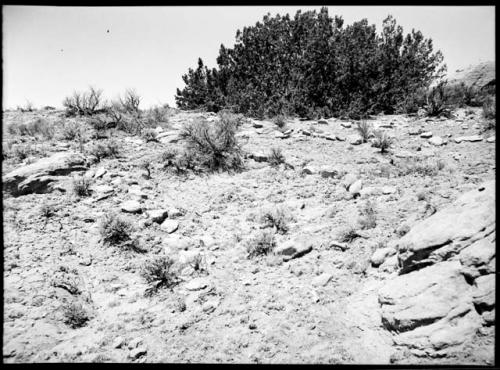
318	308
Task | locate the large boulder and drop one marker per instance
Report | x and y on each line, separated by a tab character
447	232
37	177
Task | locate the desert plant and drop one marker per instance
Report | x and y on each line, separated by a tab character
276	218
279	121
489	108
348	235
130	101
228	117
145	164
70	130
276	157
159	272
47	210
436	101
99	124
382	140
368	218
81	186
106	149
83	103
114	229
21	152
262	243
364	129
40	127
75	315
149	134
213	146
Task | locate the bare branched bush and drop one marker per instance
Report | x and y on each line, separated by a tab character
365	130
276	157
83	103
382	140
213	146
130	101
70	130
348	235
260	244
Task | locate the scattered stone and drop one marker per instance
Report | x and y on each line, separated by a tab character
309	170
484	295
293	249
175	213
118	342
138	352
100	172
491	139
210	305
322	122
186	257
426	135
306	132
346	124
136	190
256	124
340	138
415	131
472	138
355	140
157	215
436	141
328	172
322	279
131	206
169	226
134	343
259	157
348	180
355	188
389	190
197	284
381	254
330	137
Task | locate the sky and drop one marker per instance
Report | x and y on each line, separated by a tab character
49	52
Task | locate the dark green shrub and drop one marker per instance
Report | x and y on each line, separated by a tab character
489	108
276	218
114	229
75	315
81	186
382	140
261	244
365	131
276	157
83	103
159	272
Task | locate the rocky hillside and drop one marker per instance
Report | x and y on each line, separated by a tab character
376	257
478	75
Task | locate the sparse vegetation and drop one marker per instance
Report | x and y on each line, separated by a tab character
382	140
83	103
75	315
436	101
213	146
489	110
81	186
276	218
145	164
365	131
420	167
130	101
261	243
276	157
159	272
368	219
47	210
106	149
149	135
279	121
70	130
348	235
114	229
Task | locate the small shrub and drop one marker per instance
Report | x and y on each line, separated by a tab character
21	152
213	146
40	127
279	121
149	134
276	218
99	125
109	148
158	271
47	210
489	108
382	140
276	157
348	235
145	164
422	196
70	130
114	229
75	315
436	101
368	218
81	186
364	129
227	117
412	103
422	168
262	243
